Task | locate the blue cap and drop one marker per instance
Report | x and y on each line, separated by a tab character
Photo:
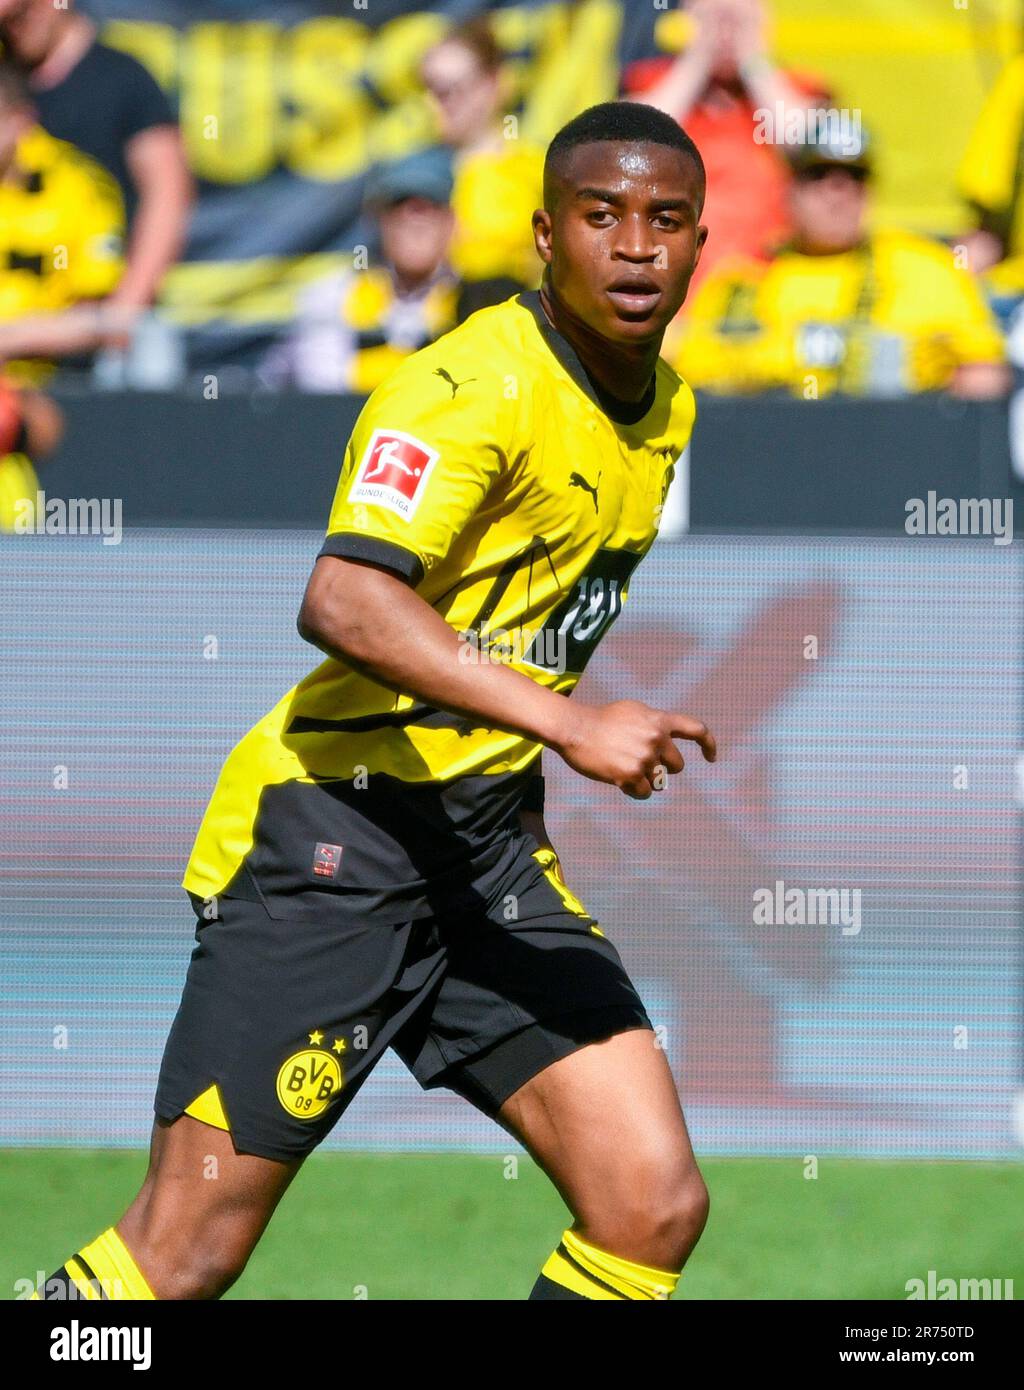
425	174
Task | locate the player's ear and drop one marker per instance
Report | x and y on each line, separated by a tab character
542	234
702	236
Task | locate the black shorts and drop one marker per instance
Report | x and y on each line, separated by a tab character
287	1018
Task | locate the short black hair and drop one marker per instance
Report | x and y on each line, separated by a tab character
621	122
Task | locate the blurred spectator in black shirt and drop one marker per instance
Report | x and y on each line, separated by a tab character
109	106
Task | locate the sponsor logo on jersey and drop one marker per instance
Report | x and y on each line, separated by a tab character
393	472
446	375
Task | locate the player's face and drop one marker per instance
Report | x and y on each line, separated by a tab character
623	237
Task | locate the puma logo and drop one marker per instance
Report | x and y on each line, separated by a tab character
578	480
446	376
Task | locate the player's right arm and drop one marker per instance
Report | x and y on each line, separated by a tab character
375	622
427	449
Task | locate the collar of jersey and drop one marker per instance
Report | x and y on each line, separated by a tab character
620	412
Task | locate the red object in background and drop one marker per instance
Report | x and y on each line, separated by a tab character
745	212
10	418
720	839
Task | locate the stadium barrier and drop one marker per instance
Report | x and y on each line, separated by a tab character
822	924
758	465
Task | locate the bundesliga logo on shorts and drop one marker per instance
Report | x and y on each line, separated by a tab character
394	472
326	860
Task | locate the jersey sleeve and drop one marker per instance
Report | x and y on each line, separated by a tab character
426	450
725	343
144	104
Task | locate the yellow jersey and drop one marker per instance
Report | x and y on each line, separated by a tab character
491	474
61	229
494	199
811	324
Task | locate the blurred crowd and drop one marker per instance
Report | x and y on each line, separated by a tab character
798	292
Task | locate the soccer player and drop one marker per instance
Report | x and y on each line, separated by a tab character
372	870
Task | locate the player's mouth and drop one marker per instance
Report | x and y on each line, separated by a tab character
634	295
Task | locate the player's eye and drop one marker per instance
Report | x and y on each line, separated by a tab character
601	217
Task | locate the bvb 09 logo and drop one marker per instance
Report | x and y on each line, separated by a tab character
308	1082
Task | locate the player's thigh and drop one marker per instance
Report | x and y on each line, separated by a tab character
606	1125
202	1207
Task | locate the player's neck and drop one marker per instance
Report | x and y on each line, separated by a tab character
623	370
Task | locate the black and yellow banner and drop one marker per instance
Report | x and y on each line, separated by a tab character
285	104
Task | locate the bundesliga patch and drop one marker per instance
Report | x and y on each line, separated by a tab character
393	472
327	861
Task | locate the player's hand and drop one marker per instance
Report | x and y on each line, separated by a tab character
630	745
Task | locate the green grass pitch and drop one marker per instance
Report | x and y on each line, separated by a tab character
450	1226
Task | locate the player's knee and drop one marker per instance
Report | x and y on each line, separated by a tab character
198	1272
656	1218
673	1215
687	1213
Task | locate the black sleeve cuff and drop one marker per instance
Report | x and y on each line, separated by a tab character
533	796
351	545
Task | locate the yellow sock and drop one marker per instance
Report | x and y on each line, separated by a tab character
578	1269
104	1270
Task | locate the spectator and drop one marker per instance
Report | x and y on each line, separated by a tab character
353	328
498	178
841	309
992	172
61	228
716	87
30	427
107	104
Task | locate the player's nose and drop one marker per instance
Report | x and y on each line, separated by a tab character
636	241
